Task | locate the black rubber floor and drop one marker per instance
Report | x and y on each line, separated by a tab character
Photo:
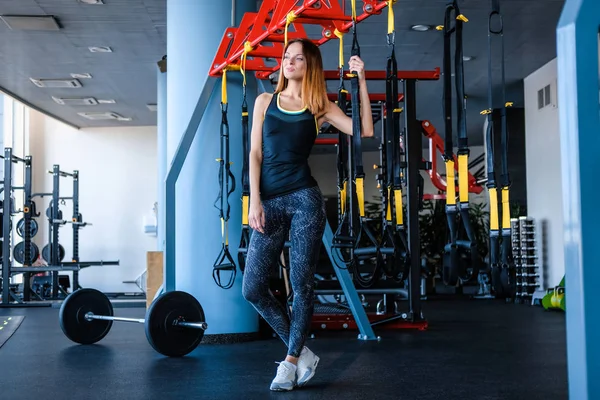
479	350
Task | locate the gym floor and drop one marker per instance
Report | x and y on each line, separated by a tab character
474	349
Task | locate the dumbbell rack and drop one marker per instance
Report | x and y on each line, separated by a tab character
525	254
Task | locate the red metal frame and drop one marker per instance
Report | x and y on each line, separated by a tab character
436	143
264	31
372	96
382	75
346	322
326	141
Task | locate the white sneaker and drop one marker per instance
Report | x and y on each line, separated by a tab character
285	378
307	365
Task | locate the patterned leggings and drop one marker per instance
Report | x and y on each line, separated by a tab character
304	212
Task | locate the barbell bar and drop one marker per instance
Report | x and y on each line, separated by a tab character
174	323
199	325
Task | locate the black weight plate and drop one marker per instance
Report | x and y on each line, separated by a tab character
19	253
163	335
33	228
72	316
46	253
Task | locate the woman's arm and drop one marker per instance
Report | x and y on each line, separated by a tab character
336	117
255	157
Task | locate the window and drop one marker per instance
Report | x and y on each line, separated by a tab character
544	97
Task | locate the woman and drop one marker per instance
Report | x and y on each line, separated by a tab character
284	197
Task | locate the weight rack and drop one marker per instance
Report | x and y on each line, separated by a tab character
55	222
10	299
524	244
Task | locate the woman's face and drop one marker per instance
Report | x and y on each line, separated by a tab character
294	62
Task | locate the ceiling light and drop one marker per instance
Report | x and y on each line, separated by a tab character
91	1
106	101
56	83
468	58
31	22
81	76
421	28
75	101
96	116
152	107
100	49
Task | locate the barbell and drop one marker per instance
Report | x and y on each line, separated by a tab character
174	322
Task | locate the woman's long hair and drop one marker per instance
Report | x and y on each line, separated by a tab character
314	89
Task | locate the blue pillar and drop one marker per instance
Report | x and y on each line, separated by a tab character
161	148
194	31
577	49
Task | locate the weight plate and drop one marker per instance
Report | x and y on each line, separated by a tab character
33	227
19	253
167	338
46	253
72	316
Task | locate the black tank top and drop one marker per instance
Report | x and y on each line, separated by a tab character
287	140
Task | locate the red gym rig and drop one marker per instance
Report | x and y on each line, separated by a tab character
257	45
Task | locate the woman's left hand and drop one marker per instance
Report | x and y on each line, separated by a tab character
355	64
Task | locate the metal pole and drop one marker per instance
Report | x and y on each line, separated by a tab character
6	207
413	151
76	218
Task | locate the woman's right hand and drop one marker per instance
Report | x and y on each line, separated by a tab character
256	216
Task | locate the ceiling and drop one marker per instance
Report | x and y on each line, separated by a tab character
136	31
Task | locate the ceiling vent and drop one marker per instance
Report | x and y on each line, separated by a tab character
56	83
31	22
151	107
75	101
103	116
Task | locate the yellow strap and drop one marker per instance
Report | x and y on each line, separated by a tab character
353	10
360	195
340	36
224	88
493	209
247	49
388	206
505	208
245	209
462	18
399	207
343	198
463	178
485	112
290	17
439	27
450	186
509	104
398	110
391	16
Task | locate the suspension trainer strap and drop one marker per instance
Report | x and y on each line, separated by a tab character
245	235
451	209
359	174
224	261
505	176
394	156
342	150
489	138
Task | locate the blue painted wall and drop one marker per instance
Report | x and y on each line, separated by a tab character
194	32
